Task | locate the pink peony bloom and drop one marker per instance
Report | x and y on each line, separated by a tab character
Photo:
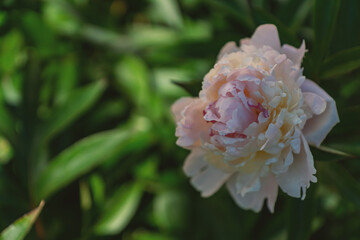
253	120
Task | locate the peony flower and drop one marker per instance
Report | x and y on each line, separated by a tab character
253	121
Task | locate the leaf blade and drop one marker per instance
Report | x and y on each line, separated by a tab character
19	229
120	210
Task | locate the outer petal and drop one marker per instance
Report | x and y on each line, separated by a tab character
228	48
266	34
191	126
179	106
295	54
255	200
317	127
297	179
204	177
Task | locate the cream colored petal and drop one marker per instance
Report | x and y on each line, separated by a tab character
300	173
255	200
227	48
295	54
316	128
179	106
266	34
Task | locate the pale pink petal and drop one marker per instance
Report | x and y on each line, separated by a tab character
194	162
294	54
209	180
191	127
300	173
316	128
316	103
179	106
228	48
204	177
255	200
266	34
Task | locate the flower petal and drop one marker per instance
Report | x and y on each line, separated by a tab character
255	200
317	127
191	126
294	54
266	34
227	48
179	106
300	173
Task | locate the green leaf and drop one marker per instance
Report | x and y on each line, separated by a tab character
10	48
301	215
133	77
166	11
6	124
120	209
346	185
325	18
21	227
76	104
341	63
82	157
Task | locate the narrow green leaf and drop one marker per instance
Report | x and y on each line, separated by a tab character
6	124
341	63
346	185
301	215
77	103
325	18
120	209
82	157
21	227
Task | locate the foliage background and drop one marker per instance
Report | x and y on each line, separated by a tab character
85	92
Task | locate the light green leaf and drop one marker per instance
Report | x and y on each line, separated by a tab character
82	157
76	104
325	18
132	75
166	11
341	63
120	209
10	48
21	227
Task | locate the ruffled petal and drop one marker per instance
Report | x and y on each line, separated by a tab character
227	48
317	127
266	34
300	173
204	177
191	126
254	200
294	54
179	106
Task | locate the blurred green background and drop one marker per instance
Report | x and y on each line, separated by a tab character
85	92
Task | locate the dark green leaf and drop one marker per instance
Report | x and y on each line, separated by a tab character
346	185
21	227
301	215
77	103
341	63
325	18
120	209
